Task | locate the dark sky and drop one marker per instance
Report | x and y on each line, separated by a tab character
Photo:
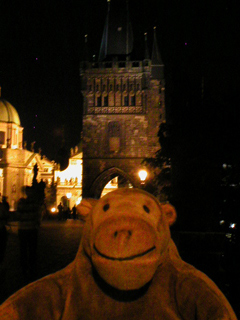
41	46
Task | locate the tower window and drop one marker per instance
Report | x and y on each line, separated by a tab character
99	102
114	136
122	64
105	101
126	101
2	137
14	136
133	100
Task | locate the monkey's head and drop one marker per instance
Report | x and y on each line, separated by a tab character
128	234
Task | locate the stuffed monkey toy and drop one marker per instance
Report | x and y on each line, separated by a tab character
127	267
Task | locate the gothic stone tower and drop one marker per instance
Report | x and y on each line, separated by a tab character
124	106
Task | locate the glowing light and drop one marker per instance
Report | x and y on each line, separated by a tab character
142	175
69	195
78	200
232	225
53	209
186	44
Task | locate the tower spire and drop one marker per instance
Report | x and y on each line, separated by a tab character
85	50
117	40
157	64
156	57
104	42
127	35
146	52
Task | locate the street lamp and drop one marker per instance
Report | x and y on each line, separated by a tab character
142	175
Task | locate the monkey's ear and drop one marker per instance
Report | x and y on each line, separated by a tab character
169	212
85	206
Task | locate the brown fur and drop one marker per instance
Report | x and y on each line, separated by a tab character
176	290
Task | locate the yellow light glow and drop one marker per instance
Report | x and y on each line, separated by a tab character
73	171
78	200
142	175
69	195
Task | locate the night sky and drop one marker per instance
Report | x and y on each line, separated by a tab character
42	46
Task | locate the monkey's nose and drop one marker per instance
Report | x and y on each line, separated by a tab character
122	238
122	233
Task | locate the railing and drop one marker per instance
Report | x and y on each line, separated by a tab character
109	66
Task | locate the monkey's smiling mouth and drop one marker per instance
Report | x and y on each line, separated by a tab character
125	258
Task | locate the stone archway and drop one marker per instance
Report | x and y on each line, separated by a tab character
105	177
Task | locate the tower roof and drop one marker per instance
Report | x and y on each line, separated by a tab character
157	64
117	39
146	52
156	57
8	113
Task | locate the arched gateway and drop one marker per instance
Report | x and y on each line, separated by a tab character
124	105
108	175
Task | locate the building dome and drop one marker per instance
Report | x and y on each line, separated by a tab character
8	113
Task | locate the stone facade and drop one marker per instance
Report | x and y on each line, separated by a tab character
123	109
124	105
16	171
69	181
17	163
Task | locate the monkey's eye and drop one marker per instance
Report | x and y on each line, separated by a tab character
146	208
106	207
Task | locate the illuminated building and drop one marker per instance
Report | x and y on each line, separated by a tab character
124	105
16	163
69	181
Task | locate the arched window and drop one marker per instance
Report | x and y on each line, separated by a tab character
99	101
105	101
126	101
133	100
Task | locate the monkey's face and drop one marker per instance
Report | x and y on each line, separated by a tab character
129	234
